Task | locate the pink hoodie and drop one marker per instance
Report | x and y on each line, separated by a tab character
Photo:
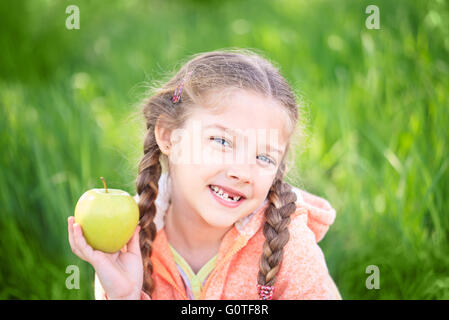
303	273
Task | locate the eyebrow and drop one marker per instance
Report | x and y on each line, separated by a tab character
219	126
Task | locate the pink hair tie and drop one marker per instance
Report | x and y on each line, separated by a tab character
177	94
265	292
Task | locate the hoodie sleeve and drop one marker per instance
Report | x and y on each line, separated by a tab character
304	273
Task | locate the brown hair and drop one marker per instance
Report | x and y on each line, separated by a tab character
214	72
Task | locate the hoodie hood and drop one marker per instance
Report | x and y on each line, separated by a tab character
319	213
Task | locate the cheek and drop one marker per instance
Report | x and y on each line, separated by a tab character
264	183
195	178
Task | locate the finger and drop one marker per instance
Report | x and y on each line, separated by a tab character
84	248
70	229
72	242
133	245
75	240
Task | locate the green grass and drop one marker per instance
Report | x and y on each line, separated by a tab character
376	144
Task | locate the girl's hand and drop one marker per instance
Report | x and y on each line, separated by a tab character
120	273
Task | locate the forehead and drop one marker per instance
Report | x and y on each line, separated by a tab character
243	110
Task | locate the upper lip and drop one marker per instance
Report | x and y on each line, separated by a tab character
230	191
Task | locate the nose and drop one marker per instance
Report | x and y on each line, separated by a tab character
241	173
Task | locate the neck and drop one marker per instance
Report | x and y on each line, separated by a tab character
189	234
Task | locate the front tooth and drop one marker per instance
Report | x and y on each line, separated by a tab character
225	195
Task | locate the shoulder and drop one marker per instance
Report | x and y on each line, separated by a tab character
304	273
313	212
308	225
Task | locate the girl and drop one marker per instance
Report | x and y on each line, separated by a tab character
217	219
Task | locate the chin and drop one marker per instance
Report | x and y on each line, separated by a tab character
220	221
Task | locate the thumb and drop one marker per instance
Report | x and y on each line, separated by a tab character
133	245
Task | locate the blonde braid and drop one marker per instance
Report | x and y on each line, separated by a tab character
277	215
147	187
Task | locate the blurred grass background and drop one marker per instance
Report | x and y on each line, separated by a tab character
377	137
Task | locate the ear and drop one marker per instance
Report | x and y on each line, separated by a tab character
162	134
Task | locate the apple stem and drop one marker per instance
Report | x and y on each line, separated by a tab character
104	183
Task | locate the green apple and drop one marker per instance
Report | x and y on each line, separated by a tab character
108	218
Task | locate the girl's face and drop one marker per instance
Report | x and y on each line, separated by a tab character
236	150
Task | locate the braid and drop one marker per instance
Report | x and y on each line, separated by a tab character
277	215
147	188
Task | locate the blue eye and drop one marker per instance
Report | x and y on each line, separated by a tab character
268	160
220	140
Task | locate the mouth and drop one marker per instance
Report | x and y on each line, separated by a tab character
224	198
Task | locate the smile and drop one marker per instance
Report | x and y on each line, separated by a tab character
223	198
222	194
